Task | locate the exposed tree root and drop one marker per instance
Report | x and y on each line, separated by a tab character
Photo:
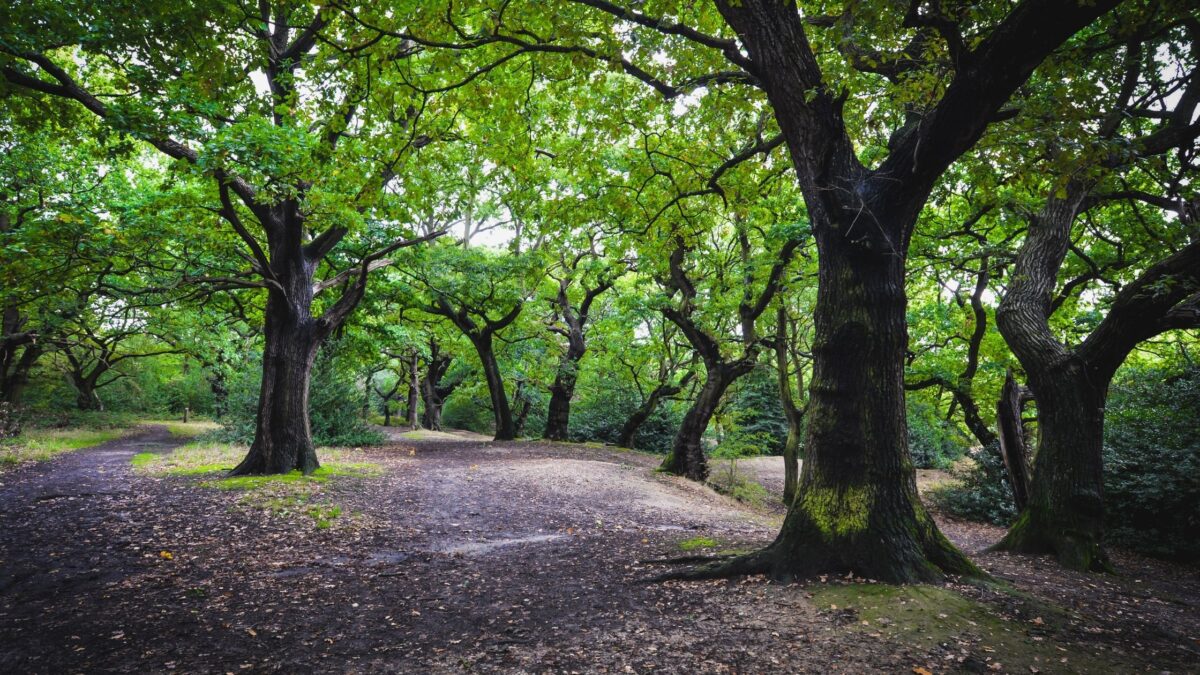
687	559
759	562
1073	549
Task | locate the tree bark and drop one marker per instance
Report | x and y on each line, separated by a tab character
559	412
856	506
282	433
1064	510
506	429
1013	447
86	397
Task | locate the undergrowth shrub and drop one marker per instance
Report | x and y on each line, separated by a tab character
981	492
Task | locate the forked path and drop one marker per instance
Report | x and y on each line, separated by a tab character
461	556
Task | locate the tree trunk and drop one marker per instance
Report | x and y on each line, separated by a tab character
414	386
501	413
1065	510
282	434
387	413
86	397
793	413
857	508
524	405
431	416
687	450
559	412
14	376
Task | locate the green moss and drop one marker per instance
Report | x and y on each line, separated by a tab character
321	475
926	617
838	513
697	543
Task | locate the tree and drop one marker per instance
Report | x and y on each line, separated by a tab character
279	157
1154	292
857	507
481	293
570	323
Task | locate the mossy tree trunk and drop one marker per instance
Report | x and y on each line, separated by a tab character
856	507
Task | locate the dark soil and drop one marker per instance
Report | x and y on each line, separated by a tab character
473	556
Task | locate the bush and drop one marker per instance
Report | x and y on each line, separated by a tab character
982	492
335	403
599	415
933	442
1152	463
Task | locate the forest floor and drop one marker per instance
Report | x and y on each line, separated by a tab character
454	554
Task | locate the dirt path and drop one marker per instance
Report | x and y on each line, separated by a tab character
464	556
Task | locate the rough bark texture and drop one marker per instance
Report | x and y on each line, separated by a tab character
282	434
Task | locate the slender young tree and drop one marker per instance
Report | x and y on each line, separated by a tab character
571	322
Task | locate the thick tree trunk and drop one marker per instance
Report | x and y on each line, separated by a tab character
18	352
431	416
524	405
387	414
856	507
86	397
15	378
687	450
1064	514
506	430
282	434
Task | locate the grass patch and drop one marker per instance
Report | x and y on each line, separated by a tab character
696	543
926	617
39	445
190	429
291	495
